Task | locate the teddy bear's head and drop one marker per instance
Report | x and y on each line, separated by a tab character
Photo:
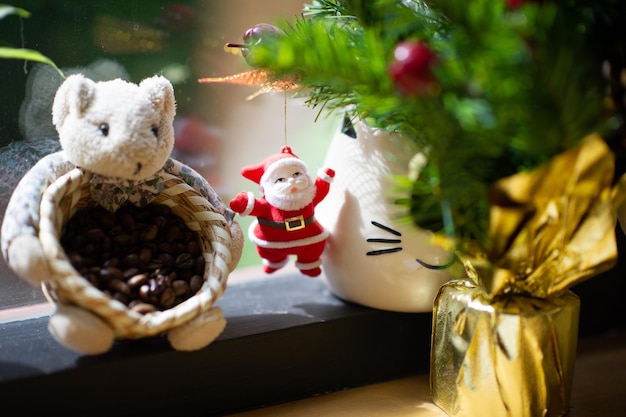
116	128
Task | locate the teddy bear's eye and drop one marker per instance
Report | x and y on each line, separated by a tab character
104	129
155	130
279	180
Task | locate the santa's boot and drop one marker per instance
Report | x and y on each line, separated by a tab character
311	269
272	266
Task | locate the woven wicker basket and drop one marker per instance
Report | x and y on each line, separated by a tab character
70	193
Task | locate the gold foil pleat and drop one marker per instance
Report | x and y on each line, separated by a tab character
552	227
510	357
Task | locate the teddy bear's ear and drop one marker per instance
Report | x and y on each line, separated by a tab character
73	96
161	94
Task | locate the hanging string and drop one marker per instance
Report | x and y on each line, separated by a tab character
285	116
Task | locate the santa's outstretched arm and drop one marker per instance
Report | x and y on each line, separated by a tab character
246	204
322	184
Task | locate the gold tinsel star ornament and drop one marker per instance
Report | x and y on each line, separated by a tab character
257	77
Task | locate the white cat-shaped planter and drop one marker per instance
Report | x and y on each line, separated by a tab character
373	257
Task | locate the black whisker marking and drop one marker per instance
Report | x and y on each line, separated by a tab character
438	267
386	228
383	251
377	240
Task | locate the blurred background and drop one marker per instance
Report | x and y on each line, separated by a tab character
217	130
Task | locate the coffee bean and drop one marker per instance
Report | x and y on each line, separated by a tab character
119	286
130	272
146	257
137	280
141	308
154	264
185	261
167	247
108	220
78	241
95	235
123	239
162	281
159	221
130	260
116	230
122	298
184	274
93	279
110	273
75	259
167	298
113	262
144	291
160	210
87	249
194	248
181	287
127	221
167	259
150	233
145	254
172	234
153	286
199	265
107	243
195	282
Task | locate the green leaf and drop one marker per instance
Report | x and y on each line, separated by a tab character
6	10
29	55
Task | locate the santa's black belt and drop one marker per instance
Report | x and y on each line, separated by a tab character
291	224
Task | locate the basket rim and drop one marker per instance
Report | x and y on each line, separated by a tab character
67	286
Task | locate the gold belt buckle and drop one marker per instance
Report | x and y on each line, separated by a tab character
298	223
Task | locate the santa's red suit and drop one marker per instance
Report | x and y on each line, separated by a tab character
278	233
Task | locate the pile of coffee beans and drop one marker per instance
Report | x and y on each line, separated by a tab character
146	258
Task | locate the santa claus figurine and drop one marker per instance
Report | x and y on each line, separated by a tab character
285	212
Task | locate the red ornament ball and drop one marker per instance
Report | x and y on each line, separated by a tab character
516	4
411	68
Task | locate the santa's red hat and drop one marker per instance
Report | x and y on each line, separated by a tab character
259	172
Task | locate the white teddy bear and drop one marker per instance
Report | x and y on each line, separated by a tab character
119	136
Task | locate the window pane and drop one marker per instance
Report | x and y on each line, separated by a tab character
217	129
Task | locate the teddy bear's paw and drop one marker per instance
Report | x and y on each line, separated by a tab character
80	330
26	259
199	332
236	247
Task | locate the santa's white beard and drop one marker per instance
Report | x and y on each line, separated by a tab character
290	201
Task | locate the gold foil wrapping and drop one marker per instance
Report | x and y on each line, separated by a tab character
552	227
504	339
511	357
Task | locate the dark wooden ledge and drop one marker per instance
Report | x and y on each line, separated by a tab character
286	338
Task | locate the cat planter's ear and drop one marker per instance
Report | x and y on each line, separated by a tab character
160	92
73	97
